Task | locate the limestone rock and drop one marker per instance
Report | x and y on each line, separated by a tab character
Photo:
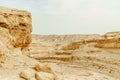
2	59
16	26
15	37
44	76
15	34
27	74
44	68
15	30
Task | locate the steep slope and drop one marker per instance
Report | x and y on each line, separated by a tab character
15	37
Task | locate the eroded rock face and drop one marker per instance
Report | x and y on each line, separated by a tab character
15	37
15	27
110	40
15	30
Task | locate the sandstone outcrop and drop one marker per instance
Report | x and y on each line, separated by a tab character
15	29
15	37
28	74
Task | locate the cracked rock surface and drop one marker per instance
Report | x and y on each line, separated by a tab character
15	37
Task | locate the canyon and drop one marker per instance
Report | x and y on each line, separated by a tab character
79	57
26	56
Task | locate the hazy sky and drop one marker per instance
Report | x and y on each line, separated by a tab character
70	16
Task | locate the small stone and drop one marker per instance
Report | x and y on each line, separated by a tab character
44	76
44	68
28	74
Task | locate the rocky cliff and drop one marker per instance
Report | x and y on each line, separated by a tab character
15	37
15	29
16	26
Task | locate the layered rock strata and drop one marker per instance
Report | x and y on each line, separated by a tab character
15	37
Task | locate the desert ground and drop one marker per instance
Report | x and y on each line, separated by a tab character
26	56
79	57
